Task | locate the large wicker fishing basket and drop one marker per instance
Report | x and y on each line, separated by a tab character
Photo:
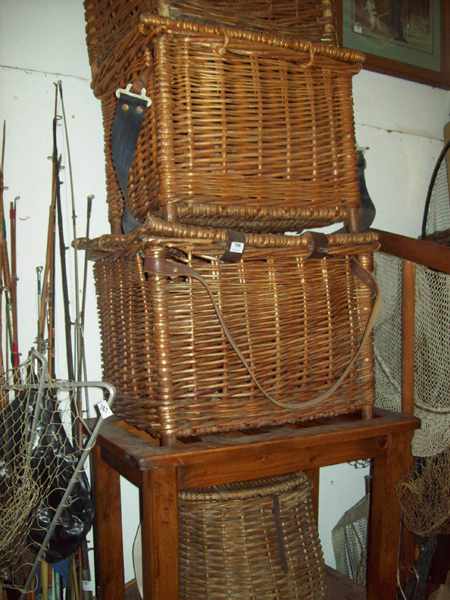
244	130
108	20
251	540
196	345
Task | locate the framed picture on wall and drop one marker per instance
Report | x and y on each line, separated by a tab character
404	38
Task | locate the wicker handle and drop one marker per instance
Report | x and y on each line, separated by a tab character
163	266
223	47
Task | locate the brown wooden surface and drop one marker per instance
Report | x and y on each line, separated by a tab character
408	544
107	528
423	252
161	472
408	327
159	530
385	517
140	452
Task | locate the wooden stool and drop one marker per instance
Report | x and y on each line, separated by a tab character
161	472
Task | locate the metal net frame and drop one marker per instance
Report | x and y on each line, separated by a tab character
436	218
44	444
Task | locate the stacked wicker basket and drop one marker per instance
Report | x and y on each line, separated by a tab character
228	123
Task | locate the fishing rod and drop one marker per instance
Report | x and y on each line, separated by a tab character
4	262
62	255
2	188
39	270
81	365
78	358
15	327
74	219
47	297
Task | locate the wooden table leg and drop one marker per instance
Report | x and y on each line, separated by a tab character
109	571
384	531
159	514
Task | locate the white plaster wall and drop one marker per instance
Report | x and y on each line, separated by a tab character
43	40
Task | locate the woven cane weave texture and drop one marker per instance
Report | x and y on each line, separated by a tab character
251	541
108	20
243	128
296	320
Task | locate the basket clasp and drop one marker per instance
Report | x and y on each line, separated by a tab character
142	96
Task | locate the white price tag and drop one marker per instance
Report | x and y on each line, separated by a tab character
87	585
237	247
104	410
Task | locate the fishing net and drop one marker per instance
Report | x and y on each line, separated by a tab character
349	538
45	505
425	496
432	362
431	351
388	333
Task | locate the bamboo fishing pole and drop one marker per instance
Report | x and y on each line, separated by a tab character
4	262
15	327
46	308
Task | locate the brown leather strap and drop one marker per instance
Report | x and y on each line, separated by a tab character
320	244
165	266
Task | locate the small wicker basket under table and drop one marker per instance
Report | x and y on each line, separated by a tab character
245	130
251	540
196	345
108	20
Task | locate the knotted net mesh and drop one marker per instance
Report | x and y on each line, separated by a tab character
388	333
45	505
431	351
349	539
425	497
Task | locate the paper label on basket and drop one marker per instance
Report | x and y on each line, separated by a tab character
87	585
237	247
104	410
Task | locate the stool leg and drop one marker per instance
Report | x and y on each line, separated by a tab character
385	518
159	527
109	573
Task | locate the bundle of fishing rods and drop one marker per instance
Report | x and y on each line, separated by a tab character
71	579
